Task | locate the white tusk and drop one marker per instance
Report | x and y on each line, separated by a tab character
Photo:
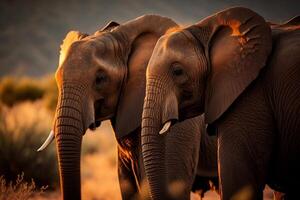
49	139
166	127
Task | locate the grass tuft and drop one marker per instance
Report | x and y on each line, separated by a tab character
23	128
19	190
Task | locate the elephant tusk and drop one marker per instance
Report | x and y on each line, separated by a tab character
166	127
49	139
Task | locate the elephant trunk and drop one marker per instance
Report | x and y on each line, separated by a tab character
153	144
158	110
169	158
69	129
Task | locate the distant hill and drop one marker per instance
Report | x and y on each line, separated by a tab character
31	30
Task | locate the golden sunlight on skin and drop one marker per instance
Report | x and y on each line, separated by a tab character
171	30
235	27
64	48
291	28
70	38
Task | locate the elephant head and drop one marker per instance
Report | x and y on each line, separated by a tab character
201	69
101	76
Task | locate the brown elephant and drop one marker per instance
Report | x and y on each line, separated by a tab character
244	75
102	76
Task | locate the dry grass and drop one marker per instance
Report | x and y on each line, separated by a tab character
18	190
22	130
99	170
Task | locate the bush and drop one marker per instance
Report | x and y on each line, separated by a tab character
20	190
23	128
13	90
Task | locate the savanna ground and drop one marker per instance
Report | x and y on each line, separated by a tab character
26	110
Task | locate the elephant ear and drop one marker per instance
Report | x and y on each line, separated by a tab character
108	27
290	24
295	21
237	42
141	36
70	38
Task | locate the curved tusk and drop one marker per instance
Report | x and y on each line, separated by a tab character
166	127
47	142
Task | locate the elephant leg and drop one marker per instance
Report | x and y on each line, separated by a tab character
126	176
203	184
238	178
207	170
242	173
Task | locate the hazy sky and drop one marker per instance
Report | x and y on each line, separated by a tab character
31	30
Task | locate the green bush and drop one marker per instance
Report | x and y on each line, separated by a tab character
23	128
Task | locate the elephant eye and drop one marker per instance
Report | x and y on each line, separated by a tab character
100	79
177	70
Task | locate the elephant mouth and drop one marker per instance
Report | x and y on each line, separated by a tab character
190	111
94	125
101	114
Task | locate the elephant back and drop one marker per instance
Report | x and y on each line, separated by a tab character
291	25
282	86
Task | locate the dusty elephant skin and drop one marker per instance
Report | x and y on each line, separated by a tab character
244	75
102	76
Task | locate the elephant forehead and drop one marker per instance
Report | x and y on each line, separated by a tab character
78	55
175	45
171	40
91	53
106	51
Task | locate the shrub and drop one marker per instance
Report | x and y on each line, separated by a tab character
23	128
19	190
13	90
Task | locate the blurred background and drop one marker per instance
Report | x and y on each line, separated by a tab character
31	32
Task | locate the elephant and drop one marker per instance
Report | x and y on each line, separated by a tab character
102	77
207	171
243	74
